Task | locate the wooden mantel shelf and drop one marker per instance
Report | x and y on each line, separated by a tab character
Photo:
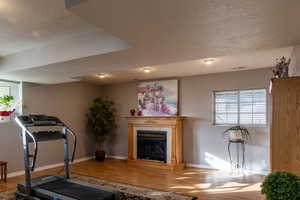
168	117
173	123
155	120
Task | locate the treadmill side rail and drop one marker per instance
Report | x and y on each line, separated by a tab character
46	194
116	192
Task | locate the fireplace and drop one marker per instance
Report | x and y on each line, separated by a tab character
155	141
152	145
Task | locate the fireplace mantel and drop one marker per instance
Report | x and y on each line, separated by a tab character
172	123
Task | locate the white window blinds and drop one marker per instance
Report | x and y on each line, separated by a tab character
246	107
4	90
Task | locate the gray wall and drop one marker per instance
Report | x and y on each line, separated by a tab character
203	142
294	68
70	103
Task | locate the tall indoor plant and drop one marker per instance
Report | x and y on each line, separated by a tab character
101	123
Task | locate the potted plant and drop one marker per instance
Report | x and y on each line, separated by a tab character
7	107
281	185
237	133
281	70
101	123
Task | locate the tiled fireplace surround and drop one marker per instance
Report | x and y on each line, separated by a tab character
172	125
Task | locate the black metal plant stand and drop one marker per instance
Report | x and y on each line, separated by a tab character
240	149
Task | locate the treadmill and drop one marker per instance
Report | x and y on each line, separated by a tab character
39	128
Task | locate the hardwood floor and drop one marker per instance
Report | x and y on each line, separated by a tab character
202	183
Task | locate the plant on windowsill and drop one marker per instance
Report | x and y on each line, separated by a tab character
281	185
101	123
236	133
7	107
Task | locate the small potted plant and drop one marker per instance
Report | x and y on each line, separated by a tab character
132	112
7	107
101	123
237	133
281	70
281	185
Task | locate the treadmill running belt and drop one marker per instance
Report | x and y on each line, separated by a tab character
77	191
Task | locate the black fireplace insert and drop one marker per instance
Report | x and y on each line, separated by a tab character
152	145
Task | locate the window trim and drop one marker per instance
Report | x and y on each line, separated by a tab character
19	91
246	125
9	88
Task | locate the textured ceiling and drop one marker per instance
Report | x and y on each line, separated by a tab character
181	30
245	61
57	74
176	31
35	23
47	33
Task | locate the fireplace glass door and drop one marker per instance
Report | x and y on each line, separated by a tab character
152	145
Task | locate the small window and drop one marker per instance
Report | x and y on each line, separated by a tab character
4	90
11	88
244	107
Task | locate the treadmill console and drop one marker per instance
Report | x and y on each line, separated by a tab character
39	120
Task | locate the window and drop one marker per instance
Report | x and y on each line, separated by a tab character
4	90
245	107
12	88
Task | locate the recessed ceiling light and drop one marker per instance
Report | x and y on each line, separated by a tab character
102	75
35	34
12	20
208	61
3	5
147	69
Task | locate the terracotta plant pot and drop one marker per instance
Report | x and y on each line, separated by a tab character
100	156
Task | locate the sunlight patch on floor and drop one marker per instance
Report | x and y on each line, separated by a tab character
183	178
234	187
234	184
253	187
203	185
216	162
182	187
191	173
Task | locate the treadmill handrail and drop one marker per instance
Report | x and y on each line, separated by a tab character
74	143
35	145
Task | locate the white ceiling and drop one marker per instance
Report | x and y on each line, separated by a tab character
245	61
35	23
168	35
35	33
248	61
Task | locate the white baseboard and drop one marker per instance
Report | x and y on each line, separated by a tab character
19	173
199	166
117	157
209	167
